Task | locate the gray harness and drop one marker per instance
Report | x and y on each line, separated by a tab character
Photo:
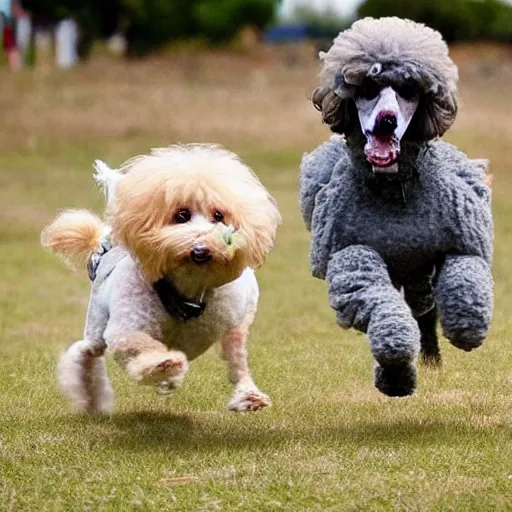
94	260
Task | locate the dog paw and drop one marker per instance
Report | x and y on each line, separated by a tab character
167	386
466	339
396	380
166	368
432	359
249	401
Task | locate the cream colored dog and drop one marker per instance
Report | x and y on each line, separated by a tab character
172	270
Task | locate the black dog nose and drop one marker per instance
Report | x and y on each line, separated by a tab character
201	255
386	125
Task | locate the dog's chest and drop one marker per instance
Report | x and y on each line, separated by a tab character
226	309
194	336
407	232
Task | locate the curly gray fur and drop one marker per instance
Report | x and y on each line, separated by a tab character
398	251
389	51
368	244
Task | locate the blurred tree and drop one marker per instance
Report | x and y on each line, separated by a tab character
321	24
149	24
220	20
457	20
494	20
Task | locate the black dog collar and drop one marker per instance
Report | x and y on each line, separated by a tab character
176	304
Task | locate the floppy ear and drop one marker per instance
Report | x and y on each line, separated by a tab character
339	114
434	116
258	223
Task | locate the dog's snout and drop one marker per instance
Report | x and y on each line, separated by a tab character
200	255
386	124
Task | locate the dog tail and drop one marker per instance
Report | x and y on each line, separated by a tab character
74	235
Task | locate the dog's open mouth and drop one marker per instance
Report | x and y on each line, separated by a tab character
382	152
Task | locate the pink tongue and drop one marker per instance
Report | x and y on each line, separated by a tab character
382	150
381	145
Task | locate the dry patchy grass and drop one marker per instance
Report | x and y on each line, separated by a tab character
331	441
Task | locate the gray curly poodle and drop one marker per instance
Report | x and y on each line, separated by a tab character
401	222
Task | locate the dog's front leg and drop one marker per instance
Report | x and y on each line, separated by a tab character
247	396
363	296
147	360
465	298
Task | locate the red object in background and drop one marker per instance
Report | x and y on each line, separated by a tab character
9	39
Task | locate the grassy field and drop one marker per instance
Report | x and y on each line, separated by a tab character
331	441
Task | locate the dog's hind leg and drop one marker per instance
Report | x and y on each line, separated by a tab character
247	396
82	376
419	293
430	354
81	372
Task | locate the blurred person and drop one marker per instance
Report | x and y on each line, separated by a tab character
23	32
66	42
9	33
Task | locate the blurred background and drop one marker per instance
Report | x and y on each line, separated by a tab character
225	70
110	79
139	27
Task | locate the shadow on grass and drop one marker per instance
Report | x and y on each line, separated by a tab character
155	431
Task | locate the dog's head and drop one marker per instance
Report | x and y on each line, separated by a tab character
196	210
390	79
385	113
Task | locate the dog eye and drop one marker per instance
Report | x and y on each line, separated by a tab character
182	216
218	216
406	91
369	90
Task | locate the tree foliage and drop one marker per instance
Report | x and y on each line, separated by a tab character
218	20
149	24
321	24
457	20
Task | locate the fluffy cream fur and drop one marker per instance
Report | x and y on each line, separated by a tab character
125	314
202	178
82	375
74	235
